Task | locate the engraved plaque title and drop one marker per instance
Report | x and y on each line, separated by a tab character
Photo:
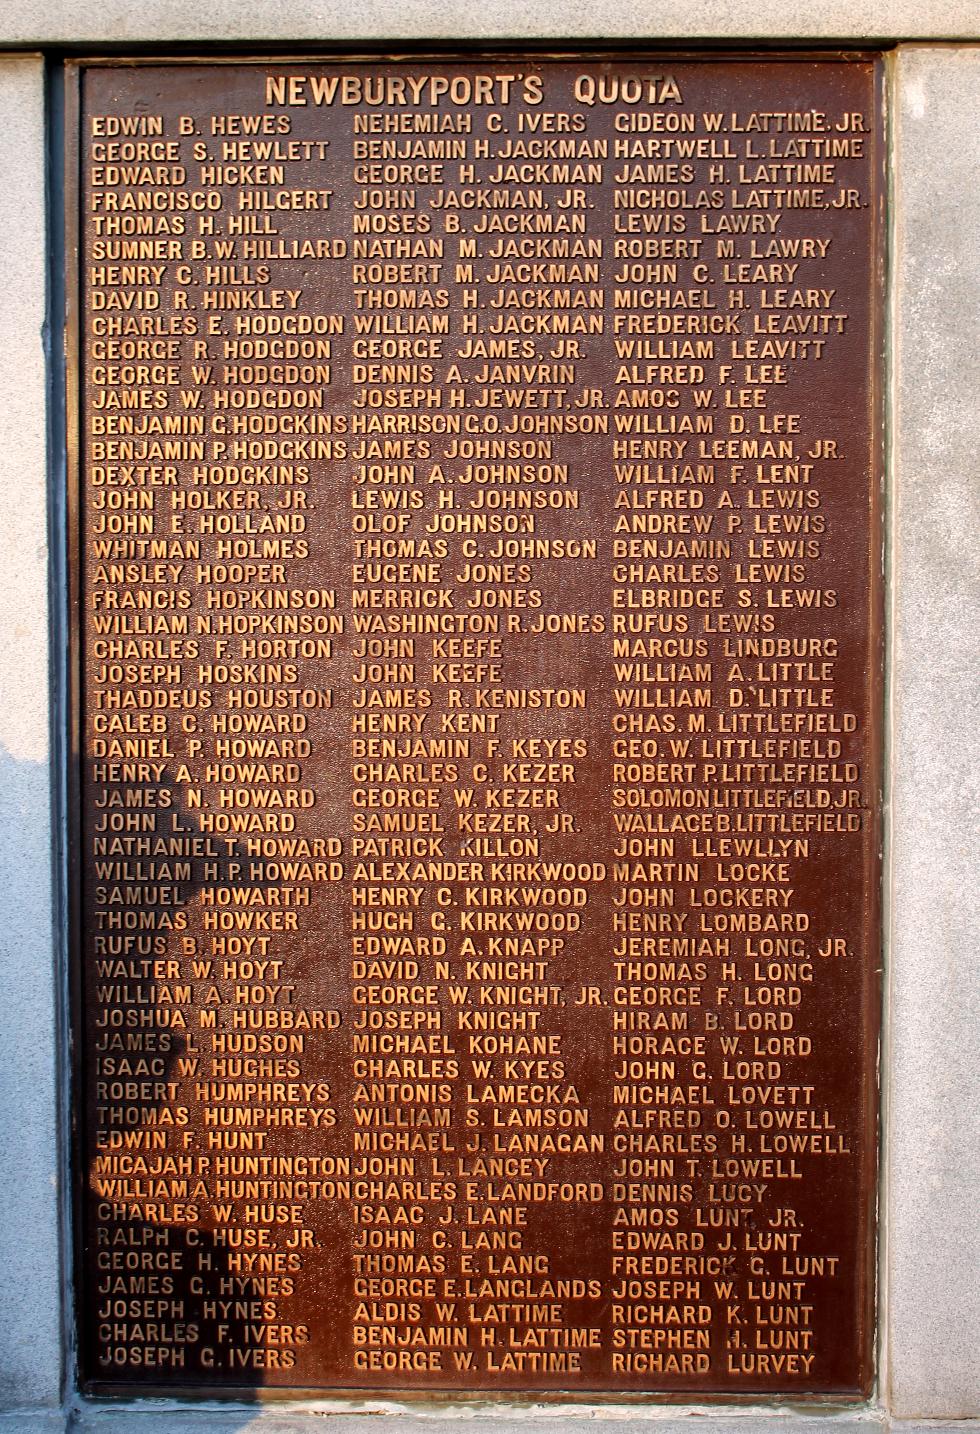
478	679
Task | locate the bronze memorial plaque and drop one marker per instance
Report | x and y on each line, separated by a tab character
476	548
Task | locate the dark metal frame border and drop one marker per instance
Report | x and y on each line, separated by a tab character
66	472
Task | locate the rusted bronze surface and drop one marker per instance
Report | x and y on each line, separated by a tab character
479	675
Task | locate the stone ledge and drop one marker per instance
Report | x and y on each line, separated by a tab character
328	1417
166	1417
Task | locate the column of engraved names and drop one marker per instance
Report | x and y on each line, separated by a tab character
665	570
721	543
279	616
232	780
138	857
536	291
450	517
404	1062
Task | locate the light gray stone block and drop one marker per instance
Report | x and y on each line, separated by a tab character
932	1097
30	1290
121	22
385	1418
